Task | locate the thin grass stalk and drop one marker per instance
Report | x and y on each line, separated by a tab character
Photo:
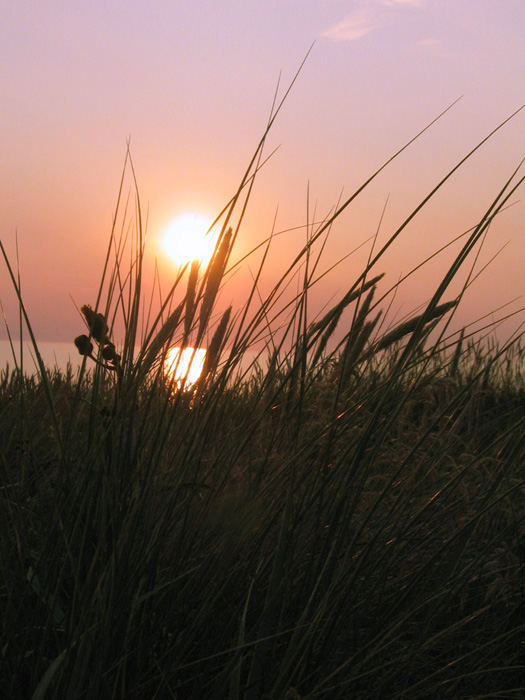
258	151
358	191
190	301
457	354
331	318
354	351
40	362
236	342
217	343
434	190
215	273
302	324
164	306
135	289
496	205
413	326
356	333
161	340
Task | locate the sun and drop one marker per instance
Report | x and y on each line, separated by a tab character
184	366
185	239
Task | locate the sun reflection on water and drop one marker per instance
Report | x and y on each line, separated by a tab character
183	366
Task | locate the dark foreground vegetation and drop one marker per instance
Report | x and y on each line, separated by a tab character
344	521
266	543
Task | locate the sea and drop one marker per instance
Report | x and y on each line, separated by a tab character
57	355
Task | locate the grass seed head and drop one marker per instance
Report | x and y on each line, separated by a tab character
163	337
190	299
215	275
109	354
212	356
96	322
84	345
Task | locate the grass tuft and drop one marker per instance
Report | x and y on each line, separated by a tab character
340	518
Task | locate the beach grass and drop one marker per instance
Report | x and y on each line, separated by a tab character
342	518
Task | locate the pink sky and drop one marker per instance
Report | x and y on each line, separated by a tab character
192	84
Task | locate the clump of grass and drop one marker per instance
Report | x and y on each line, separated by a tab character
345	520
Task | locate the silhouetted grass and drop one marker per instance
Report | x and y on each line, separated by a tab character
344	520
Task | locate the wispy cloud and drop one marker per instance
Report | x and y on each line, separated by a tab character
393	3
353	26
366	17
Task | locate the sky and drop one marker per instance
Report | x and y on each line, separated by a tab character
190	85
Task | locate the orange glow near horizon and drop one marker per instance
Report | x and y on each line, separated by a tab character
70	106
184	367
187	239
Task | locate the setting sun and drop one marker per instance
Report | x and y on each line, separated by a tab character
184	367
186	239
